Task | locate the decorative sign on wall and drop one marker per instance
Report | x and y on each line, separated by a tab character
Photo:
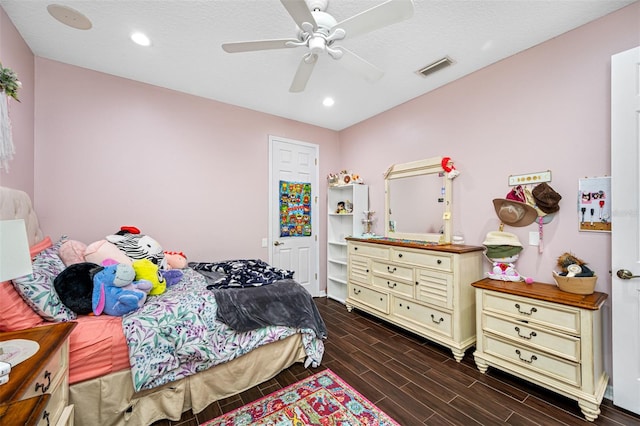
594	204
295	209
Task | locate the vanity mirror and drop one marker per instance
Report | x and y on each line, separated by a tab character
418	201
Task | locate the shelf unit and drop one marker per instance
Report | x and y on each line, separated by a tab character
340	226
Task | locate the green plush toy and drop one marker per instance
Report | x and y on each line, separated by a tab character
147	270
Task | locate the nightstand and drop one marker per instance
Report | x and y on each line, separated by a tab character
41	382
544	335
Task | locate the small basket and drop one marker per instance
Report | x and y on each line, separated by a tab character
576	285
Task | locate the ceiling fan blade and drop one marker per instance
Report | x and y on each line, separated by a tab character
357	65
387	13
299	11
303	73
250	46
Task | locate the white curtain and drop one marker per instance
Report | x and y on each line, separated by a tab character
6	142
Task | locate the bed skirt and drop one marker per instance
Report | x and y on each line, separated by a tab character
111	401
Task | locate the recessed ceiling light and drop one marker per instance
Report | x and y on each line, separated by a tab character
69	16
328	101
140	39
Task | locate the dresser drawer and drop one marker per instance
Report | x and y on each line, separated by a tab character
430	260
51	375
434	287
562	345
394	271
395	286
359	269
533	360
379	252
552	315
57	403
367	296
422	316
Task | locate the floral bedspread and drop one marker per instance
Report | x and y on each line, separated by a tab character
175	335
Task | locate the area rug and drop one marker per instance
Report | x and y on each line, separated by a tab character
321	399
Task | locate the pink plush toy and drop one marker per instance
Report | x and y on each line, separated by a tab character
175	260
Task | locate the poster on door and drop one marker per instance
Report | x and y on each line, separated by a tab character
295	209
594	204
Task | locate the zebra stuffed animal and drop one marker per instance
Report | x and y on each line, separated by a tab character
139	246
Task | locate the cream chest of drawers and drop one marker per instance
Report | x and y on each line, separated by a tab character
46	372
425	289
544	335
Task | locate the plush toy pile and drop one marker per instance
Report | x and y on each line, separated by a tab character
115	275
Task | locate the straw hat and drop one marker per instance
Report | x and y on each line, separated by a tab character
501	245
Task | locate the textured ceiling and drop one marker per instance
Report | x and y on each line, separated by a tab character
186	56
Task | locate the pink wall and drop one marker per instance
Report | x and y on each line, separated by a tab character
15	54
188	171
547	108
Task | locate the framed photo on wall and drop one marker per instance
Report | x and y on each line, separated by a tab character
594	204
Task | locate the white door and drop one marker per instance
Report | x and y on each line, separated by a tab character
293	235
625	239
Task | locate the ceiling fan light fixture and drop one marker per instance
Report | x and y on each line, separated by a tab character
435	66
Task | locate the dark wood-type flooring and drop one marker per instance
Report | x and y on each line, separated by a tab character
417	382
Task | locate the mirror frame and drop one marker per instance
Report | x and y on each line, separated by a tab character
417	168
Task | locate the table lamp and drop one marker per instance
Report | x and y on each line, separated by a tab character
15	258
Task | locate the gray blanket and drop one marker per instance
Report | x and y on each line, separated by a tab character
284	303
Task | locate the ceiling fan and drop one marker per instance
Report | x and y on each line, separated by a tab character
318	32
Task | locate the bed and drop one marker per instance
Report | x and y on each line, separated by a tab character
171	355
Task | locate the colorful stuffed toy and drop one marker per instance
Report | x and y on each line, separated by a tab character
115	292
145	269
175	259
138	246
74	286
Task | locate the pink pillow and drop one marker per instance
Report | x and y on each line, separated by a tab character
15	314
71	252
102	250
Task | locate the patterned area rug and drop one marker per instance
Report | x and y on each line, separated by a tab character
322	399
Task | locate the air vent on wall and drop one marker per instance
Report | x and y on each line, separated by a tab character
435	66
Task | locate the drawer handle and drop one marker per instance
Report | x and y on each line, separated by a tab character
45	416
367	271
439	262
355	248
528	361
356	291
399	254
532	334
400	304
433	318
391	271
47	375
532	310
391	285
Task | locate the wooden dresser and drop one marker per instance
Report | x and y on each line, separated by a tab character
41	382
544	335
420	287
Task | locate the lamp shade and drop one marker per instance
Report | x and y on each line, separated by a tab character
15	258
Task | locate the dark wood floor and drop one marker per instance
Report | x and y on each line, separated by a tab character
417	382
